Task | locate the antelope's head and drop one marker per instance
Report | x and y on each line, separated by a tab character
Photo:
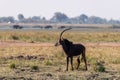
61	39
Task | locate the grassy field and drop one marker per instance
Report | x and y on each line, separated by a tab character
52	36
49	62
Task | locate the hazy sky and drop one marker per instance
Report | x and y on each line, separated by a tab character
102	8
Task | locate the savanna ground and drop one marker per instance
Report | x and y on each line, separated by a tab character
31	55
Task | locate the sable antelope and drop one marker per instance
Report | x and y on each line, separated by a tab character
17	27
72	50
48	27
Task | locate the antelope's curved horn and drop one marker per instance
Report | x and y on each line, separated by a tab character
63	32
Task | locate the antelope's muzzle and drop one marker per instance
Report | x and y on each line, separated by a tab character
57	44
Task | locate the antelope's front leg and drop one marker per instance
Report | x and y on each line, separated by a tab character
72	63
67	63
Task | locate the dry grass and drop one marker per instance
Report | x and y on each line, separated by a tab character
52	36
51	62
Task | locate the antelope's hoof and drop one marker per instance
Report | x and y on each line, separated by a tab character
77	68
85	69
72	69
66	70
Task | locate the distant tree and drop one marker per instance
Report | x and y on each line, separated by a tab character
7	19
59	17
11	19
44	18
79	19
21	17
36	18
3	19
96	20
112	21
83	18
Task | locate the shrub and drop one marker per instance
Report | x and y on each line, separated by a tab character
99	67
12	66
34	68
48	62
15	37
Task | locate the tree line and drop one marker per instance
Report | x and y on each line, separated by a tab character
59	18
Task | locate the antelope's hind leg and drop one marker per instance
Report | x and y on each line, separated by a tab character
84	57
78	60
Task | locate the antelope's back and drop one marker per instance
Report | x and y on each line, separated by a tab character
77	49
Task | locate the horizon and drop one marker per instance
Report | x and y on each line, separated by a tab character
102	8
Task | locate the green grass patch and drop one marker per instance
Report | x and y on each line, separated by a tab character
15	37
34	67
48	63
12	66
99	66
